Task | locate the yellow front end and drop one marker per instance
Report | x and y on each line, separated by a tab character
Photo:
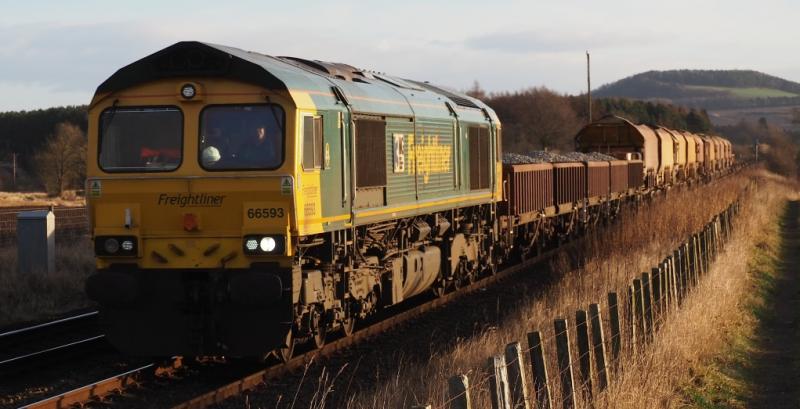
194	249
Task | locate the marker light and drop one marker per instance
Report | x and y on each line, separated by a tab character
251	244
188	91
127	245
111	245
267	244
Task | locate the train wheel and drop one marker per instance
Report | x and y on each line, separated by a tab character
439	288
349	322
284	353
465	275
348	326
320	331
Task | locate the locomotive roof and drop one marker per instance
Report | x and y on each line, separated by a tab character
366	91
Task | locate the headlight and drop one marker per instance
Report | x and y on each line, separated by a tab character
264	244
118	246
267	244
111	245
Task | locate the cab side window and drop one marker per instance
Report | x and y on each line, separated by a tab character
312	142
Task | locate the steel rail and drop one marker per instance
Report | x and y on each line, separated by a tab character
102	388
48	324
17	359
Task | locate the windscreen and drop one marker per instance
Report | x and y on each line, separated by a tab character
241	137
140	139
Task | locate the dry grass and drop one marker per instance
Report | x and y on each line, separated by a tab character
611	260
705	325
15	199
33	297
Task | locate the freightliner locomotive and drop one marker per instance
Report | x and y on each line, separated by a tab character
241	203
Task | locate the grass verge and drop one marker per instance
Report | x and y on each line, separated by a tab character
39	296
758	367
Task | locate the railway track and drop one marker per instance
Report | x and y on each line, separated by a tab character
20	347
241	379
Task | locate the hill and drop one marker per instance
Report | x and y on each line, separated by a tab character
709	89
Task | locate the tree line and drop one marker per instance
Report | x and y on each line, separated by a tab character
541	119
50	145
43	149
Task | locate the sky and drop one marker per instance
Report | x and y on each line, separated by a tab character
56	52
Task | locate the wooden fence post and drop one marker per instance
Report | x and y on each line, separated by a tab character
676	259
712	229
670	281
631	318
656	288
640	321
676	296
687	283
517	384
541	383
598	346
613	314
706	245
458	392
564	364
705	249
664	288
648	306
668	298
698	262
498	379
584	357
692	261
685	269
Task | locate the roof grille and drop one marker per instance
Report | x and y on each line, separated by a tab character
337	70
458	99
191	59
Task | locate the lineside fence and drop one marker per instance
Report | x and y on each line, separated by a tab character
519	378
70	221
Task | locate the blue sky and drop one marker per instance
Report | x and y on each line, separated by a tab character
56	52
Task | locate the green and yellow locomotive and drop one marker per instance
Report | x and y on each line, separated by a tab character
240	203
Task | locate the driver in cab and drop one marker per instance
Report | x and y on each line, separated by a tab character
257	151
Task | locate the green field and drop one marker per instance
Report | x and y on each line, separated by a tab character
751	92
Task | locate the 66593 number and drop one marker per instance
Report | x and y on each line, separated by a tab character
265	213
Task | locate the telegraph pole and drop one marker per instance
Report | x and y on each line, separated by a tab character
589	86
755	148
14	170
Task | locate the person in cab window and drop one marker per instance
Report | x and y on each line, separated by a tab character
259	151
214	147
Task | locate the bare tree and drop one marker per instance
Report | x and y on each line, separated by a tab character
536	118
476	91
62	163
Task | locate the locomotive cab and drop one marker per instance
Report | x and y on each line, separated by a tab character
191	190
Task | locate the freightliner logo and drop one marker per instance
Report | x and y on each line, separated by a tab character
191	200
